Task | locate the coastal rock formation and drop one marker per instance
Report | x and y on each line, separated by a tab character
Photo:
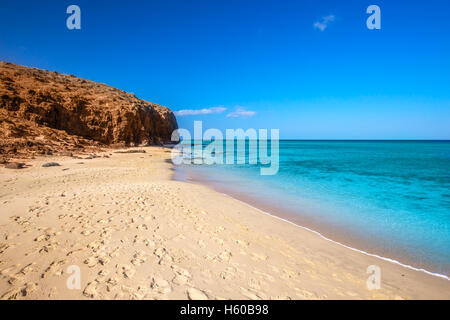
44	112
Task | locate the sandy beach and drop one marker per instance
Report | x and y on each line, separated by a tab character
135	233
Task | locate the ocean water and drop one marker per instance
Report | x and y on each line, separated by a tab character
390	198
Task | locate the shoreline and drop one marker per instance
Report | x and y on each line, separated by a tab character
290	218
136	233
346	246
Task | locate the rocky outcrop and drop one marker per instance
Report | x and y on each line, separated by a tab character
46	112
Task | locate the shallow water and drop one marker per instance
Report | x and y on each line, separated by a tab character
393	195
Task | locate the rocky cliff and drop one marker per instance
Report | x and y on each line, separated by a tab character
44	112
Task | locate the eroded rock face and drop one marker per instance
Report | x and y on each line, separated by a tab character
47	112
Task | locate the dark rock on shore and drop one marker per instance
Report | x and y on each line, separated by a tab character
50	164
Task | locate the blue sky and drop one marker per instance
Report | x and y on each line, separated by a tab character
257	64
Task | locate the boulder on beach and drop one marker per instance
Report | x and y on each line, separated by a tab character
51	164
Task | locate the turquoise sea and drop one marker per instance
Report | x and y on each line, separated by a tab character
390	198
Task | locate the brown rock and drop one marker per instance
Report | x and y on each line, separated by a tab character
47	113
14	165
50	164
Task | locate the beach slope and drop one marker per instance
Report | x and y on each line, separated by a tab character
134	233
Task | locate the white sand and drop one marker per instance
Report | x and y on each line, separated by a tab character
137	234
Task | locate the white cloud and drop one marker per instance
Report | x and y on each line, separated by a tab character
324	22
241	112
195	112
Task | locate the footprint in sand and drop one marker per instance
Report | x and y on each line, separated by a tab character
243	243
27	269
20	220
91	290
142	227
164	257
47	236
91	262
73	252
86	232
133	294
257	256
251	294
112	281
280	298
229	273
95	245
304	294
48	247
21	292
128	271
3	248
160	285
137	239
224	256
103	259
115	252
182	276
201	244
54	268
219	229
264	275
102	276
196	294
